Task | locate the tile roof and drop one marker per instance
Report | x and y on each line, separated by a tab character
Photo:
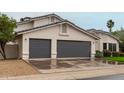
34	18
95	32
52	24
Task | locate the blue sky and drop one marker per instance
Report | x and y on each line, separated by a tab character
86	20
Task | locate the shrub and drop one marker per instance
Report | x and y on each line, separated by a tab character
115	54
98	54
121	54
107	53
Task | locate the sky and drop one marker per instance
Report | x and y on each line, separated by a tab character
86	20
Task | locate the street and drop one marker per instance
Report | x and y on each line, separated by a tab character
112	77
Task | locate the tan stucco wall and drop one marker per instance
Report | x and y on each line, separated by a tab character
44	21
24	26
19	42
105	39
41	22
97	45
11	51
54	34
35	23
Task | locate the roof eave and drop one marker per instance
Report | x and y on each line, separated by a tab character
68	22
103	32
40	17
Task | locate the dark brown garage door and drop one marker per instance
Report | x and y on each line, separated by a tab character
73	49
39	48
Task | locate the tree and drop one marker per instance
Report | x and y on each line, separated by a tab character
110	24
120	35
7	34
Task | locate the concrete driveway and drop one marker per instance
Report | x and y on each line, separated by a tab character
74	75
51	66
81	69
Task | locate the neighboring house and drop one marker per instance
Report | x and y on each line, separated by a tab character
51	36
106	42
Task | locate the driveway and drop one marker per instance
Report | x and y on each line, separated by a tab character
51	66
75	75
18	69
10	68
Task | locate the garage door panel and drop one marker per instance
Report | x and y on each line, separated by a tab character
39	48
73	49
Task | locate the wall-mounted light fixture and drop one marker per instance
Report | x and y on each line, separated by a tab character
25	38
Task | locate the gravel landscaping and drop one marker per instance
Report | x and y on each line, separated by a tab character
16	68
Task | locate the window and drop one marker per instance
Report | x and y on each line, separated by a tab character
104	46
64	28
52	19
112	47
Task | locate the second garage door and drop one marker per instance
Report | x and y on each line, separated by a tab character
73	49
39	48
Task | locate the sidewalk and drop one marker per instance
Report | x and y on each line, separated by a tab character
118	69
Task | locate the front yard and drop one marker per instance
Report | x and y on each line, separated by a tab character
15	68
118	59
70	69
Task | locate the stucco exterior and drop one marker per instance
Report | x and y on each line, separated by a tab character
54	34
11	51
19	42
35	23
24	26
44	21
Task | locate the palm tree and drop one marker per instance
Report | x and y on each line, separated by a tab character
110	24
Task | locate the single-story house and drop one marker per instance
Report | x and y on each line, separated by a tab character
52	37
106	42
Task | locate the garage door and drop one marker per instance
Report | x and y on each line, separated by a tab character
39	48
73	49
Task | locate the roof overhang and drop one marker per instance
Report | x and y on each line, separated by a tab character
58	23
40	17
104	32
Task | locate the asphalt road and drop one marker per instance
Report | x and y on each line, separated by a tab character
112	77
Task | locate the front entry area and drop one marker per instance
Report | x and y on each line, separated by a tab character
73	49
39	48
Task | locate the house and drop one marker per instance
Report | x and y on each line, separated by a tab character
106	42
51	37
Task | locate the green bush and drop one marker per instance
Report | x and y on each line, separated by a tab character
121	54
115	54
98	54
107	53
